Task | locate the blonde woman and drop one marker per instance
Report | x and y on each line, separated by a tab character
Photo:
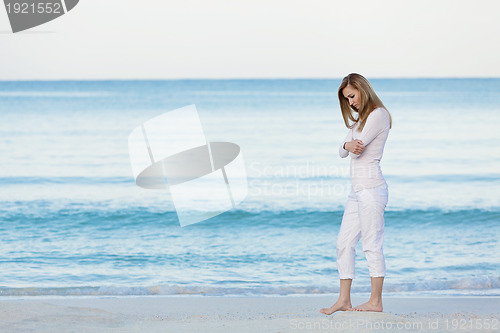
369	123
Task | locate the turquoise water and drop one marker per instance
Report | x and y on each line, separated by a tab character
73	222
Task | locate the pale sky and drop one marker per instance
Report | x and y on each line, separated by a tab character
166	39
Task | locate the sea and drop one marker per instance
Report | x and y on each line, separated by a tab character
73	221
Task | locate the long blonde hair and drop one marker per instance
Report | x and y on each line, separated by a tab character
369	100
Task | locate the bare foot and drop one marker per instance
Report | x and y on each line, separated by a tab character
338	306
368	306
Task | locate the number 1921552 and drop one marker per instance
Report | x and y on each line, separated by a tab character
40	8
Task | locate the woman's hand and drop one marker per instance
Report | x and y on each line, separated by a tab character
355	146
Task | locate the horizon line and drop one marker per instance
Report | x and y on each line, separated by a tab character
250	79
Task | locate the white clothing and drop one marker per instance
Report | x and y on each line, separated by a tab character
363	218
364	213
365	168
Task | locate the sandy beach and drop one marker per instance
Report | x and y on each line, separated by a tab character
244	314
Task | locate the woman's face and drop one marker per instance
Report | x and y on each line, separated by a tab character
353	96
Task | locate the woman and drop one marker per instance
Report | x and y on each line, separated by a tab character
364	212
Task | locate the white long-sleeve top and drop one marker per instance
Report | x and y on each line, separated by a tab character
365	168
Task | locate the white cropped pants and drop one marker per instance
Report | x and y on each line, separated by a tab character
363	218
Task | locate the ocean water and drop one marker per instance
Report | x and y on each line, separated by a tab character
72	221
